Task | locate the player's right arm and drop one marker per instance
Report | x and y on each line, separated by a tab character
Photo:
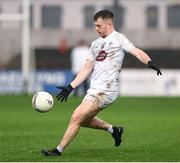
83	73
81	76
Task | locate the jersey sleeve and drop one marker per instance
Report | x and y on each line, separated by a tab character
90	55
127	45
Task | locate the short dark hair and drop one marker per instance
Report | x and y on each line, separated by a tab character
104	14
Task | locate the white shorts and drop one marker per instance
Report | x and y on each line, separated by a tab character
101	98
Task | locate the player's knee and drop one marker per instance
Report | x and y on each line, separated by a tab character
76	119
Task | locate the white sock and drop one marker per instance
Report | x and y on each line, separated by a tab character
110	129
59	148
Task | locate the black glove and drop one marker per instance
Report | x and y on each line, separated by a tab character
63	95
152	65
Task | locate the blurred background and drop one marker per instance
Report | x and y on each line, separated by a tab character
37	38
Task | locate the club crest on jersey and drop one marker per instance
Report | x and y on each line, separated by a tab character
103	45
101	56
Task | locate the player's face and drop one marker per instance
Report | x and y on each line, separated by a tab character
101	26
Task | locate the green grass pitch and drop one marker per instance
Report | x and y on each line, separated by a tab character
152	131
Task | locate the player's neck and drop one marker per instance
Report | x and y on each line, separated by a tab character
109	32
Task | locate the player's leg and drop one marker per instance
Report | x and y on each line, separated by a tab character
84	115
85	110
97	123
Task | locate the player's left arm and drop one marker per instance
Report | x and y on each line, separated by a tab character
144	58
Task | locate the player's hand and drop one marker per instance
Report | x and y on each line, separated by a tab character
64	93
152	65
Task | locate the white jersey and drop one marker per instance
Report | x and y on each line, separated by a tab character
108	54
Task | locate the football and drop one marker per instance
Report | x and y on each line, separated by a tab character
42	101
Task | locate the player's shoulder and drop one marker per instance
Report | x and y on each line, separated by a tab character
118	34
97	40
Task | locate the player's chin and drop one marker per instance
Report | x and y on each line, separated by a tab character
101	35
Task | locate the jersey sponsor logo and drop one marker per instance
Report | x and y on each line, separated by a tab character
101	56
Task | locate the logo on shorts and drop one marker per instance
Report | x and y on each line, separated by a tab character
101	56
